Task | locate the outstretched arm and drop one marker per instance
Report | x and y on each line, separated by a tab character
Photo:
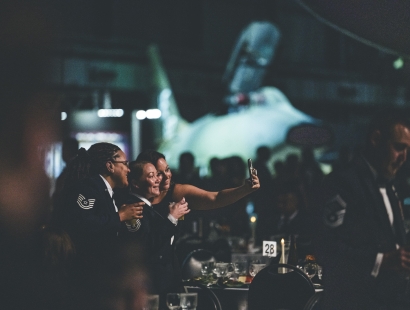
200	199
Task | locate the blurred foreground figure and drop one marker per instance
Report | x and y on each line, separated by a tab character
26	129
362	245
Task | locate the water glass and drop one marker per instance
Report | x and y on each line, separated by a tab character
255	267
230	270
189	301
173	300
221	269
240	268
310	269
207	269
152	303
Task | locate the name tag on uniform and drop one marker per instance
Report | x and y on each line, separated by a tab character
269	248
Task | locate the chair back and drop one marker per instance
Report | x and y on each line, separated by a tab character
207	300
191	266
272	290
314	302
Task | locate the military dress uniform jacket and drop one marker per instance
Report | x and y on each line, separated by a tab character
155	236
355	227
90	218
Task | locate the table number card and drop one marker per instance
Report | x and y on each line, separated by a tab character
269	248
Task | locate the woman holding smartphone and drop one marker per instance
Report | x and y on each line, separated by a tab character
197	198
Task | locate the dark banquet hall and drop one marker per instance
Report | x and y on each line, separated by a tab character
204	155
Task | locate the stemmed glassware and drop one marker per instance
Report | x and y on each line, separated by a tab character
173	301
221	269
255	267
310	269
240	268
207	270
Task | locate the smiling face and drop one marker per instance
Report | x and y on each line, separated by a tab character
121	170
392	150
165	173
148	184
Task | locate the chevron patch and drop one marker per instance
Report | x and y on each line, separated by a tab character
85	203
133	225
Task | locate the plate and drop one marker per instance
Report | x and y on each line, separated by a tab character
231	283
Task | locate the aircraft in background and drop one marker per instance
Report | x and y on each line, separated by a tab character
257	115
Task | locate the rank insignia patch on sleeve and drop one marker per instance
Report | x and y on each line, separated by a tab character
85	203
334	212
133	225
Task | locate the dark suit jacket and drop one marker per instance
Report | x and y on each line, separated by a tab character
155	236
354	228
89	216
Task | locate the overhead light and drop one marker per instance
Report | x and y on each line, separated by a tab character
153	113
141	114
150	114
398	63
63	116
110	112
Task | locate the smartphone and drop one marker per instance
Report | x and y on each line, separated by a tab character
250	168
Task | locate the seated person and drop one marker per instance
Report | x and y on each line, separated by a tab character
287	217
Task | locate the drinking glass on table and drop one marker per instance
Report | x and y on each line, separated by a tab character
189	301
310	269
220	269
152	303
207	270
173	301
240	268
230	270
255	267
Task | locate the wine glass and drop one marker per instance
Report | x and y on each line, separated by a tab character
255	267
240	268
220	269
230	270
310	269
206	270
173	300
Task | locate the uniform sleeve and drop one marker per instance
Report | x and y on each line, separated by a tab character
346	238
90	211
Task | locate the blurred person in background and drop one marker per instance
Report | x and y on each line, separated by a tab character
361	240
187	172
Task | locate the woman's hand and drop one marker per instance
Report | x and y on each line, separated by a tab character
254	183
179	209
132	211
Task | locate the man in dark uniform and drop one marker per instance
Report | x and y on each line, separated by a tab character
362	244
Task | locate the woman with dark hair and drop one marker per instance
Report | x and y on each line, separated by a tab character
198	199
155	232
86	209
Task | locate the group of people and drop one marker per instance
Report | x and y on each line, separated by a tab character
108	202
